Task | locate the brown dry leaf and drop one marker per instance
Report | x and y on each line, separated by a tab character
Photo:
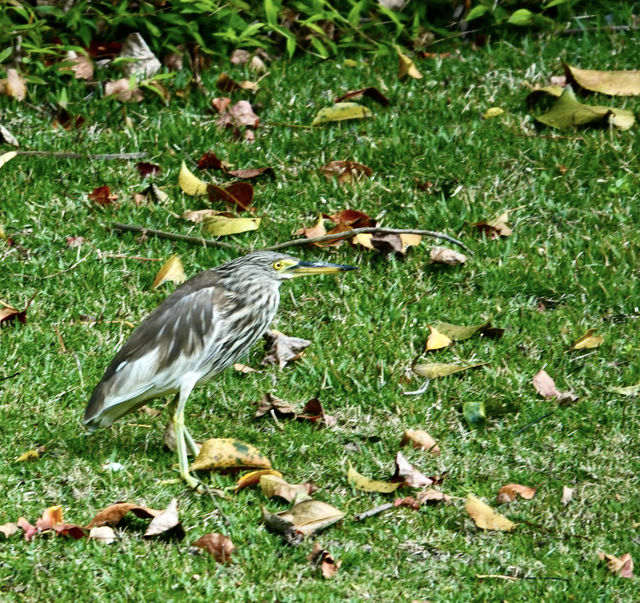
420	439
497	227
220	104
13	85
229	453
587	341
567	495
270	403
240	56
371	92
340	228
243	368
444	255
8	137
406	66
154	193
317	230
218	545
104	534
622	566
408	475
172	271
351	217
113	514
210	161
394	243
425	497
29	530
9	313
200	215
313	411
80	64
148	169
253	478
52	520
166	523
275	485
239	194
226	84
102	196
509	492
251	173
485	517
303	519
321	557
546	387
282	349
613	83
437	340
9	529
347	172
123	91
360	482
239	115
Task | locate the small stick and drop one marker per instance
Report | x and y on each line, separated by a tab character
534	422
372	230
162	234
374	511
63	155
60	341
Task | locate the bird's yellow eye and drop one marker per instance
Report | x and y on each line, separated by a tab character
278	265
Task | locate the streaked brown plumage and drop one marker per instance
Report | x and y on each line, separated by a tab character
197	332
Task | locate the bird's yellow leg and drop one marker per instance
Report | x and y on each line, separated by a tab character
182	436
193	447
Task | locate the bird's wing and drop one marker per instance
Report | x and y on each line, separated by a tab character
158	352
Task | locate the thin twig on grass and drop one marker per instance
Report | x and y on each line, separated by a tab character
162	234
99	156
374	511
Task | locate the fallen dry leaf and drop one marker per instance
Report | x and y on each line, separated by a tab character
221	225
29	530
303	519
433	370
321	557
408	475
313	411
227	84
509	492
546	387
239	115
113	514
588	341
360	482
166	523
9	313
275	485
460	333
406	66
13	85
613	83
253	478
351	217
199	215
420	439
387	243
210	161
485	517
370	92
123	91
346	171
8	156
218	545
243	368
102	196
154	193
229	453
317	230
239	194
51	517
444	255
104	534
496	227
8	137
270	403
190	184
282	349
148	169
567	495
171	271
9	529
80	65
425	497
341	112
220	104
437	340
622	566
251	173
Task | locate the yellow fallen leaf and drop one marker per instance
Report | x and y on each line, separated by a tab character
437	340
171	271
219	226
614	83
225	453
360	482
493	112
485	517
8	156
587	341
341	112
409	240
364	239
630	390
29	455
420	439
190	184
253	478
406	66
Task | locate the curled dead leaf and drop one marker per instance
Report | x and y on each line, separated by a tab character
420	439
113	514
282	349
444	255
437	340
588	341
171	271
166	523
622	566
253	478
509	492
321	557
218	545
408	475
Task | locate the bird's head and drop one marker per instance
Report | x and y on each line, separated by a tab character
274	266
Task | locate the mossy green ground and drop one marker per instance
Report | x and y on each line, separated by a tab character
571	265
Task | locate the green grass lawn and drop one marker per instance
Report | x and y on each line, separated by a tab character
571	265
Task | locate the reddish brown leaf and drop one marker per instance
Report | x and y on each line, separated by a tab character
546	387
218	545
102	196
239	194
510	491
113	514
335	242
351	217
317	230
9	313
371	92
314	412
221	104
104	50
29	530
408	475
147	169
251	173
321	557
210	161
50	518
70	529
282	349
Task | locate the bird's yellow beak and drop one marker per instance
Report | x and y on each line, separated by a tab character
307	268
